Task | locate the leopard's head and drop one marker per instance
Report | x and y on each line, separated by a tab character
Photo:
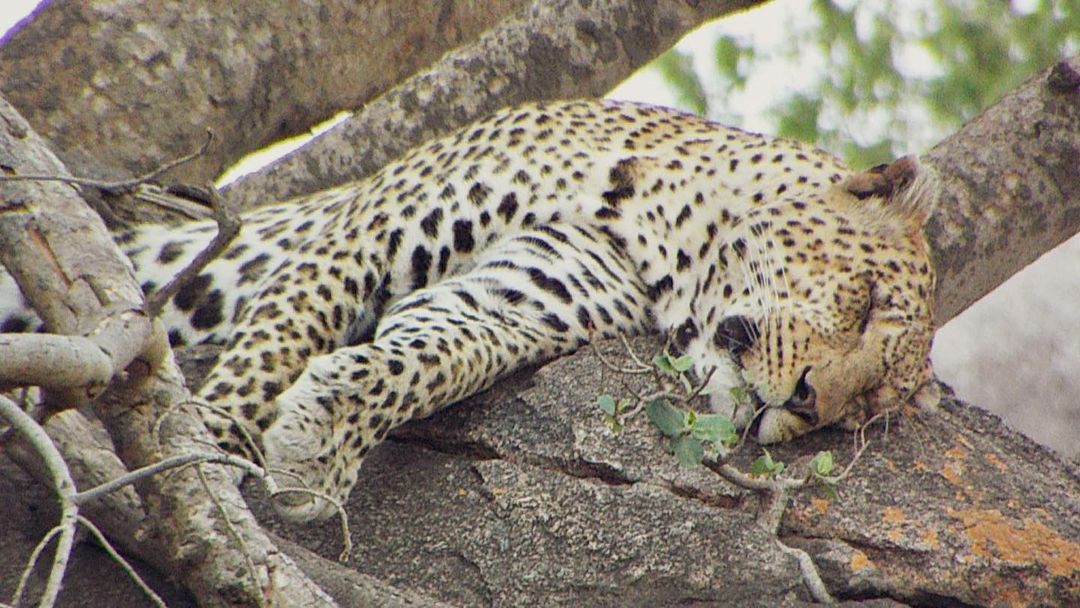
846	330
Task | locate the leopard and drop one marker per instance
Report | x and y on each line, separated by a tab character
524	236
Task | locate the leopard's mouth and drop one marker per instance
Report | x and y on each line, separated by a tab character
778	423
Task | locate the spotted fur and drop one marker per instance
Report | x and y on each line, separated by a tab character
522	237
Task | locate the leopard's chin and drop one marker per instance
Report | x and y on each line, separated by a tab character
777	424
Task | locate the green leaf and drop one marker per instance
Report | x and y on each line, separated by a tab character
682	364
822	463
606	403
668	419
714	428
613	423
765	466
688	451
663	363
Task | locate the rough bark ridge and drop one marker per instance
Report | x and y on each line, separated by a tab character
1013	196
119	87
525	497
557	49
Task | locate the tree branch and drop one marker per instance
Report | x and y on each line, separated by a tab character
1011	188
115	99
556	49
39	221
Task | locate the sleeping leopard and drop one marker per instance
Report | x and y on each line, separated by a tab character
528	234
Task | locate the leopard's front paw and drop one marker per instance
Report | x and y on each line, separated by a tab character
299	454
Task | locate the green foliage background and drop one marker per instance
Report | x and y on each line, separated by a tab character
867	98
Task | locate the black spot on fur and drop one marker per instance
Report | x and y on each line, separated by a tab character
739	247
606	213
421	265
478	194
621	178
444	259
14	325
685	334
465	297
683	215
508	207
735	334
683	261
251	270
550	285
554	322
170	252
660	287
539	244
584	318
430	223
394	243
463	236
270	390
351	287
512	296
186	299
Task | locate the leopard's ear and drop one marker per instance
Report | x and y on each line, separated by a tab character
905	187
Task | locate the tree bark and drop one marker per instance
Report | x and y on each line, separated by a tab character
1011	190
118	88
557	49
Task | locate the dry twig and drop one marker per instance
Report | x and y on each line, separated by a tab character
63	486
119	186
228	226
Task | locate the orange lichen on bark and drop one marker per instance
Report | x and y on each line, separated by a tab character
894	516
859	562
929	537
1025	542
993	459
954	470
896	520
819	505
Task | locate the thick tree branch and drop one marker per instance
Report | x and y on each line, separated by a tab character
1011	188
38	221
64	363
557	49
117	87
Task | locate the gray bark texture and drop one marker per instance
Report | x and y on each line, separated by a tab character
118	88
1011	187
556	49
520	496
